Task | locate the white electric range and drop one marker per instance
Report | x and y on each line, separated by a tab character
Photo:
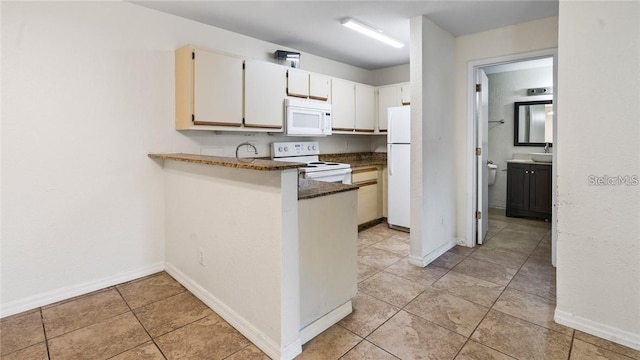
308	152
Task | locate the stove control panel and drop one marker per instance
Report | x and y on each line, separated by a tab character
297	148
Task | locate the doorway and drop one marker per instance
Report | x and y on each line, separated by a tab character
481	124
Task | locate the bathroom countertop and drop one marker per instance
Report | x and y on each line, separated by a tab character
525	161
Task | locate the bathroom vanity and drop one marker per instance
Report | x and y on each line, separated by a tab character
529	189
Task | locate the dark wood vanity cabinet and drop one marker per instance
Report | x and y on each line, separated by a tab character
529	190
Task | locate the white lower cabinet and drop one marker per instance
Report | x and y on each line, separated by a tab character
369	193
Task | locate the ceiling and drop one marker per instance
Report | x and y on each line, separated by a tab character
314	26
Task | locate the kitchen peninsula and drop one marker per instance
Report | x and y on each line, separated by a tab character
247	237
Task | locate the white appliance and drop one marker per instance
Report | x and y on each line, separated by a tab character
307	152
398	167
307	117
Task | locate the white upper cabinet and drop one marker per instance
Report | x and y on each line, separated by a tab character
217	91
388	96
343	104
208	89
297	83
365	108
264	93
405	94
319	87
303	84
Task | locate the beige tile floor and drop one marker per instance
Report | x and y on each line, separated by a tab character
495	301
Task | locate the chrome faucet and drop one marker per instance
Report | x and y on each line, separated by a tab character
248	144
546	148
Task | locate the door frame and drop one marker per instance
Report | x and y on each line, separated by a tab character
472	134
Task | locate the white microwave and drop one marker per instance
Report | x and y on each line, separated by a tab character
307	117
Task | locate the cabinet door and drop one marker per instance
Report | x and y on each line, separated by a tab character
405	94
517	187
297	83
365	108
264	94
367	202
217	89
319	87
388	96
343	103
540	189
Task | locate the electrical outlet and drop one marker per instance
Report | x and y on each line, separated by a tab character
201	256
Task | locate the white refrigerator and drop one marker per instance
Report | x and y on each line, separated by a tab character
398	167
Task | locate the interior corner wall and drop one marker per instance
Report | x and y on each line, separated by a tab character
87	92
432	141
598	258
505	88
515	39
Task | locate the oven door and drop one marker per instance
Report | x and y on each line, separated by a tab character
342	176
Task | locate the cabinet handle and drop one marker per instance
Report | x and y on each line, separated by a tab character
526	171
532	171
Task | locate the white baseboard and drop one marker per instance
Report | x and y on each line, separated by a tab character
257	337
315	328
427	259
462	242
607	332
67	292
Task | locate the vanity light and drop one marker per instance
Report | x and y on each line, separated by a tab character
371	32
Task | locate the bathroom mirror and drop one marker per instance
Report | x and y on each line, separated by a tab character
533	123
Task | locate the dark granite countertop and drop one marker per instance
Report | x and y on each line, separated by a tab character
308	189
253	164
357	159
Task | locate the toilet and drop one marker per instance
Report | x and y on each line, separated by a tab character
493	169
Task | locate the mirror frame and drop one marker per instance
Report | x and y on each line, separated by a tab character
516	121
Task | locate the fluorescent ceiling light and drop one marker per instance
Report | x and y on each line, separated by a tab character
371	32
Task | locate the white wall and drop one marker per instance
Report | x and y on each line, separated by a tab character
432	141
598	255
88	91
509	40
246	224
390	75
505	88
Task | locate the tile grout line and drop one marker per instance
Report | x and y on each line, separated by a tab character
44	330
501	293
497	298
573	337
143	327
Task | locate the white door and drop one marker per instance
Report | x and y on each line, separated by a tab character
398	192
482	121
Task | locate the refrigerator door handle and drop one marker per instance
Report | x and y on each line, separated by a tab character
390	162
